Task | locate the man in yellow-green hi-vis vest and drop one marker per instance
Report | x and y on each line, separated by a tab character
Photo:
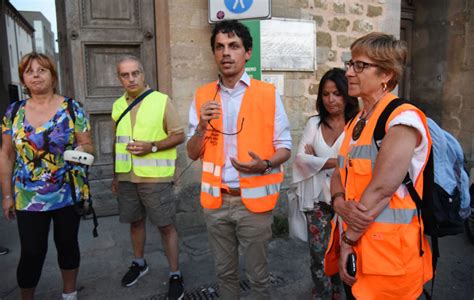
144	154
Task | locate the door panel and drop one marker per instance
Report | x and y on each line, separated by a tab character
406	34
95	34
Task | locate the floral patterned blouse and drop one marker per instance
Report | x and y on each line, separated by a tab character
40	174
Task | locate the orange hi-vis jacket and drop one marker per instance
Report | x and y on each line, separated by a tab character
259	192
389	260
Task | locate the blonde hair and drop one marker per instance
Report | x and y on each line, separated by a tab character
386	51
43	60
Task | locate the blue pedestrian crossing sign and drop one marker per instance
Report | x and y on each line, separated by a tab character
238	6
220	10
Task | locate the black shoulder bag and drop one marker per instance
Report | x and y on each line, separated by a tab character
135	102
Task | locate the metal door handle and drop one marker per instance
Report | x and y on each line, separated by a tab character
148	35
74	35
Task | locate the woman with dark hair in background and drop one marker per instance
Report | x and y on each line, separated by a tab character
313	167
35	135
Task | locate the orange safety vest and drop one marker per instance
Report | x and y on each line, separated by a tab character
389	265
259	192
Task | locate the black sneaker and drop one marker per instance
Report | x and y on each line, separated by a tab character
3	250
176	288
134	273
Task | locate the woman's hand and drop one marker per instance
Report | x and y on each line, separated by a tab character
8	206
308	149
345	251
84	142
353	213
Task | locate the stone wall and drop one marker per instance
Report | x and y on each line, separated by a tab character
191	64
338	24
443	66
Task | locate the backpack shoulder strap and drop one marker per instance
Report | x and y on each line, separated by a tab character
15	109
379	132
70	109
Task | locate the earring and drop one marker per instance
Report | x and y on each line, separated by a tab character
384	86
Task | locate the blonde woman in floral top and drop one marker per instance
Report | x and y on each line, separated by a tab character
35	134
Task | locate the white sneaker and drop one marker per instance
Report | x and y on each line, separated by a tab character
70	296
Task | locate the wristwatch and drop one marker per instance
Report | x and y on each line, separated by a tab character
269	167
154	147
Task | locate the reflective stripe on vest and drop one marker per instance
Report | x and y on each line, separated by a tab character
139	162
261	191
122	139
122	157
210	167
396	216
364	152
340	161
214	191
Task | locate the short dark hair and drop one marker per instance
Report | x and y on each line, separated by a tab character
338	76
232	27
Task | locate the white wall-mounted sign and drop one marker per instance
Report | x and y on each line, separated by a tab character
220	10
278	80
288	45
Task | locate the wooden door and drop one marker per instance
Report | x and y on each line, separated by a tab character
93	35
406	34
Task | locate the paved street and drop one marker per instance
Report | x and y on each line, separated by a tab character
106	258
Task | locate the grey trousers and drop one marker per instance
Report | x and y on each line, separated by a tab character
229	227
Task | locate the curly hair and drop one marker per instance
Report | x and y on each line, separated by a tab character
232	27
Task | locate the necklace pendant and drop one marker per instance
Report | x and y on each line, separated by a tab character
358	128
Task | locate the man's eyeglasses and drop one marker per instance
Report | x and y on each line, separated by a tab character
127	76
217	130
358	65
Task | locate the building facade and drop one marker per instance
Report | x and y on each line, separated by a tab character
16	33
43	36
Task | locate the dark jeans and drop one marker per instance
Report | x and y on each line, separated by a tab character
34	230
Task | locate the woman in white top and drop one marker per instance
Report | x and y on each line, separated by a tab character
313	167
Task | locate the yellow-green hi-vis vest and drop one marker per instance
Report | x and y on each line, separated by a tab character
148	128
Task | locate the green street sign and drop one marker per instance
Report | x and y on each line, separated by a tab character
254	67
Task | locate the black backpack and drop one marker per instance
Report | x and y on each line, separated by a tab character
83	207
439	209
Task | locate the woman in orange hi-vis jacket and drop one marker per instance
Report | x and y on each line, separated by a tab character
393	258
